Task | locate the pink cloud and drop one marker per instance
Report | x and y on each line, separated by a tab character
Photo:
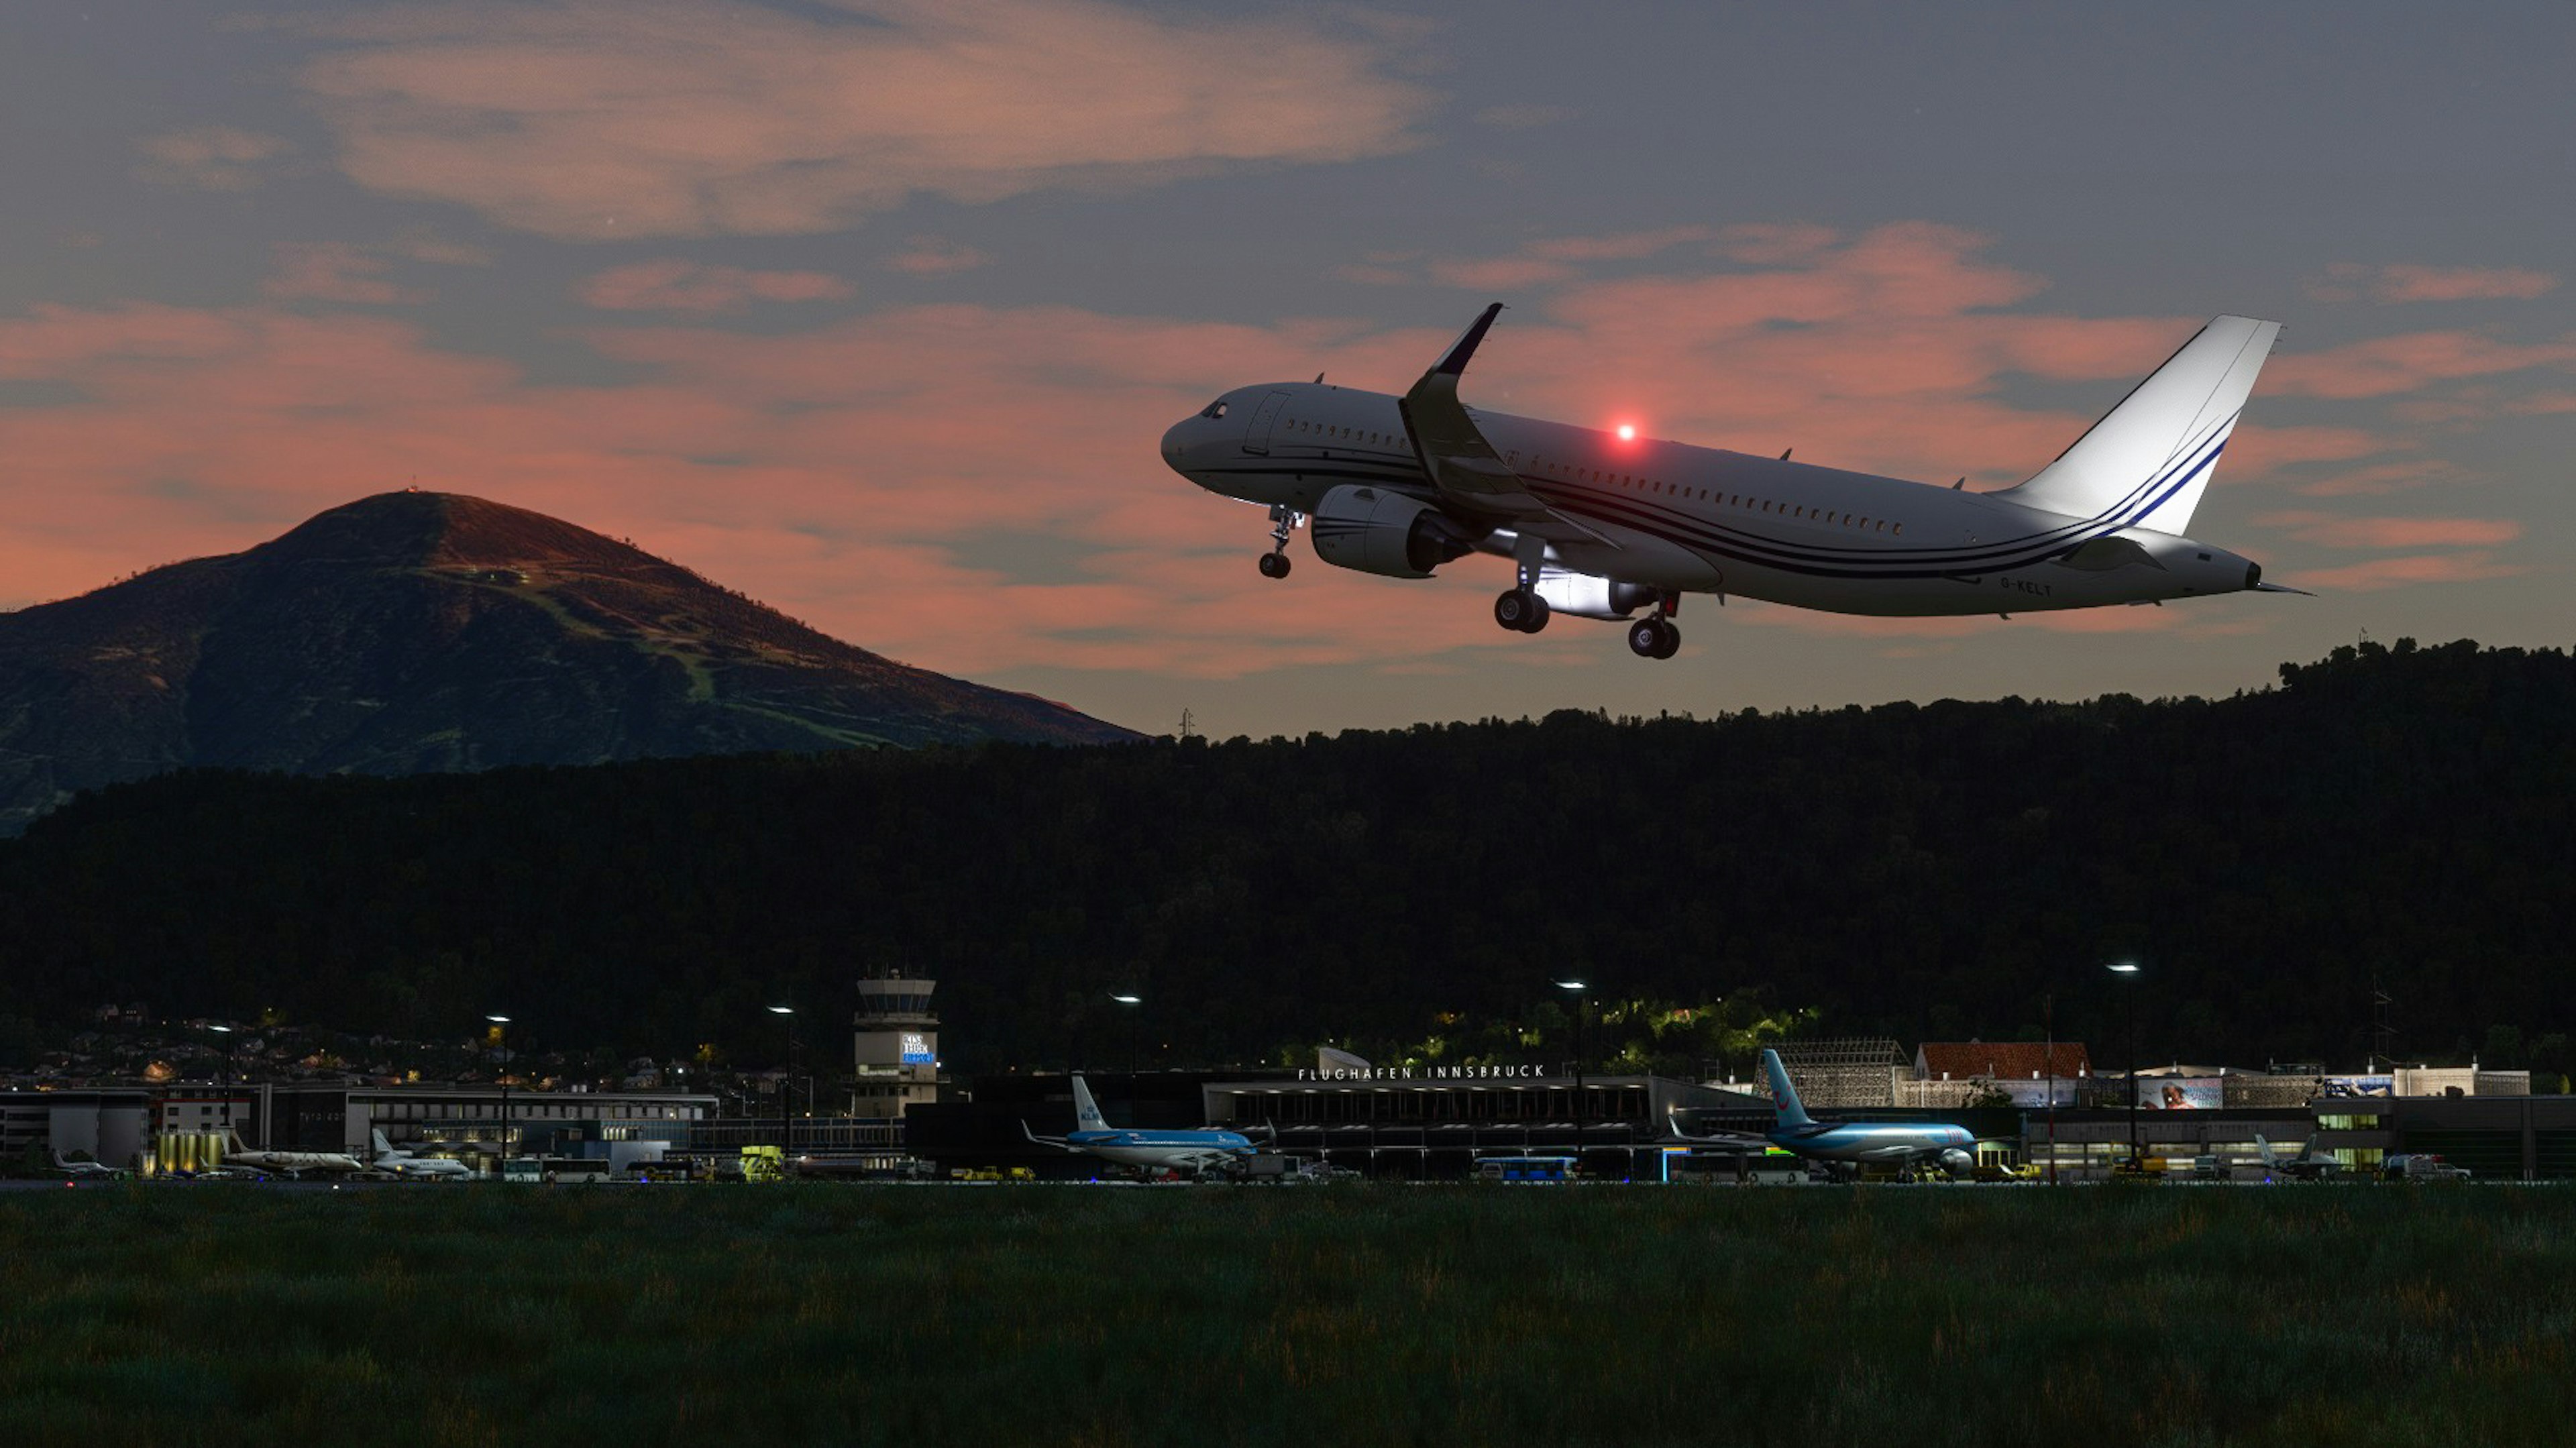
332	271
212	158
2345	281
2384	573
2388	477
931	256
2385	366
853	471
2329	531
675	285
597	119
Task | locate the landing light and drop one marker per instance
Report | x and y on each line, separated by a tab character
1627	432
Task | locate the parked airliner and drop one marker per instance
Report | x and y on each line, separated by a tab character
1196	1152
1603	523
1849	1144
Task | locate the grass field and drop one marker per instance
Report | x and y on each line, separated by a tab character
792	1314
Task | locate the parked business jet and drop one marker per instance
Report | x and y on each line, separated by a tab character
1849	1144
2310	1165
293	1163
1601	524
82	1171
1196	1152
405	1164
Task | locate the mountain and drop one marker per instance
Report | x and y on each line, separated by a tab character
412	633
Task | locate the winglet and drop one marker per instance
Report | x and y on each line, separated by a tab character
1455	362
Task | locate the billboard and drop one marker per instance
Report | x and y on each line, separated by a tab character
2357	1086
917	1050
2181	1093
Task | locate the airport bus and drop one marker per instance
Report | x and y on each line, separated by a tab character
1525	1169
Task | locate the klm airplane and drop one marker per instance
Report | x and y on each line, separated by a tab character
1196	1152
1850	1144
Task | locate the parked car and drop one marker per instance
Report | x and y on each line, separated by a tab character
2421	1167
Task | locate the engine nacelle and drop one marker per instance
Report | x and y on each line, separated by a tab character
1587	595
1379	531
1958	1163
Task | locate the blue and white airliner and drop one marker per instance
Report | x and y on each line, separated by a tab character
1854	1143
1197	1152
1602	523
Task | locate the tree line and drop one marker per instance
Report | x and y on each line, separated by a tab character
2391	819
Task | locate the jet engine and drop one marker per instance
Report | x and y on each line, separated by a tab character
1586	595
1957	1163
1378	531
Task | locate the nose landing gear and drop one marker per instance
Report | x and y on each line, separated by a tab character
1283	521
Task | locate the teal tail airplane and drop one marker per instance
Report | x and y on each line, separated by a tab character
1849	1144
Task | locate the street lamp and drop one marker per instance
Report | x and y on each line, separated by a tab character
2128	970
501	1070
787	1083
229	1072
1135	1016
1582	1029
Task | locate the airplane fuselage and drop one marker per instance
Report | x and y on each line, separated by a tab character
1672	516
1163	1150
1873	1141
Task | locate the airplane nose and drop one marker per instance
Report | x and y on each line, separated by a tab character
1176	442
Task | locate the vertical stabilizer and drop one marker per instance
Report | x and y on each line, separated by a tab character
384	1148
2263	1149
1793	1112
1086	1112
2146	462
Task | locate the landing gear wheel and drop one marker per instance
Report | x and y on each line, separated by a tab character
1654	638
1521	611
1274	565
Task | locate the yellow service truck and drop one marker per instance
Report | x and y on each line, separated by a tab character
764	1163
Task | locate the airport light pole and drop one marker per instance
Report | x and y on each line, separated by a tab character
1135	1005
229	1073
501	1073
1582	1029
787	1082
2127	970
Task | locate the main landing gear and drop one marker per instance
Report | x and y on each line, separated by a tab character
1521	609
1656	636
1283	521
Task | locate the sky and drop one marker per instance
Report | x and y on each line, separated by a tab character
877	311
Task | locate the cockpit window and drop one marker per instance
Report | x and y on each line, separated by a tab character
1215	409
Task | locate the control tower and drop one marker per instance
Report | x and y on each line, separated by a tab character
895	1046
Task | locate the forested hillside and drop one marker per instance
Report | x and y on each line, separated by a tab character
2400	815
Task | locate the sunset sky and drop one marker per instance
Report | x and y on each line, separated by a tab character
877	311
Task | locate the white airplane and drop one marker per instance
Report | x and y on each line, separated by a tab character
294	1163
1603	523
405	1164
1196	1151
87	1170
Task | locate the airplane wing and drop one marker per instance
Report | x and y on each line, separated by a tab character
1472	477
1047	1140
1744	1140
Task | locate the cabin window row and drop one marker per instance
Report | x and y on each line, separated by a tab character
1732	500
1344	434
